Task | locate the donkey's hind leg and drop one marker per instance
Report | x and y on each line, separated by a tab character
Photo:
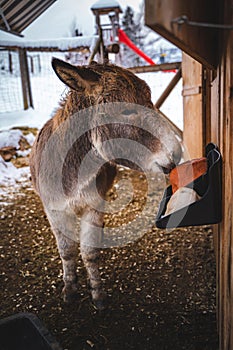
90	243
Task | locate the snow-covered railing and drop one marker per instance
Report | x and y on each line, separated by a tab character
62	44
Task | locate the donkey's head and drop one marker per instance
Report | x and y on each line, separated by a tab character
123	111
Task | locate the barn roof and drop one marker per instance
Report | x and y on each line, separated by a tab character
16	15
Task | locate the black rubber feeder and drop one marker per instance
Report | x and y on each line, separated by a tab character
24	331
208	209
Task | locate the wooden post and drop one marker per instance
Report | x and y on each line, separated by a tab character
25	79
95	50
39	63
193	107
10	62
32	63
100	41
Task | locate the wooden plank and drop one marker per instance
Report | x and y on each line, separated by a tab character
13	8
159	15
192	104
29	15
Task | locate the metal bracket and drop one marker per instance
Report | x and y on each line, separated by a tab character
184	20
5	20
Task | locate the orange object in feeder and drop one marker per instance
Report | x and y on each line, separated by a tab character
187	172
203	176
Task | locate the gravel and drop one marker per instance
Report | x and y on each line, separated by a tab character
160	284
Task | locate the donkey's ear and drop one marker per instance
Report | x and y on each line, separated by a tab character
75	77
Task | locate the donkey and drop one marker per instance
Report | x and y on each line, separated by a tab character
64	144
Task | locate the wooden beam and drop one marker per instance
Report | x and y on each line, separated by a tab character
11	32
168	89
156	67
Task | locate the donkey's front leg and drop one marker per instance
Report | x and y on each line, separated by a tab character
90	243
68	250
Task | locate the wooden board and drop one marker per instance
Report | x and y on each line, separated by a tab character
159	15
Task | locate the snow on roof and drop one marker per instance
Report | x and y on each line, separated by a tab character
101	4
62	44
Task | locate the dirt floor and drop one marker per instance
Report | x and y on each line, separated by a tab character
161	288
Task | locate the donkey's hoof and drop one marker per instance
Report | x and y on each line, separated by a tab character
69	296
100	304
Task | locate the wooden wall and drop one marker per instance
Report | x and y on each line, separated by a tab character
212	111
222	133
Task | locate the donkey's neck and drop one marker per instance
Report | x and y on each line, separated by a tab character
72	103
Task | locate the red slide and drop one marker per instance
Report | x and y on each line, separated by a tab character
123	38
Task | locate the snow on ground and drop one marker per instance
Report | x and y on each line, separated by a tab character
10	175
10	138
31	118
11	180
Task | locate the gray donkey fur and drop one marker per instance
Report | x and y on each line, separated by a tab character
93	87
